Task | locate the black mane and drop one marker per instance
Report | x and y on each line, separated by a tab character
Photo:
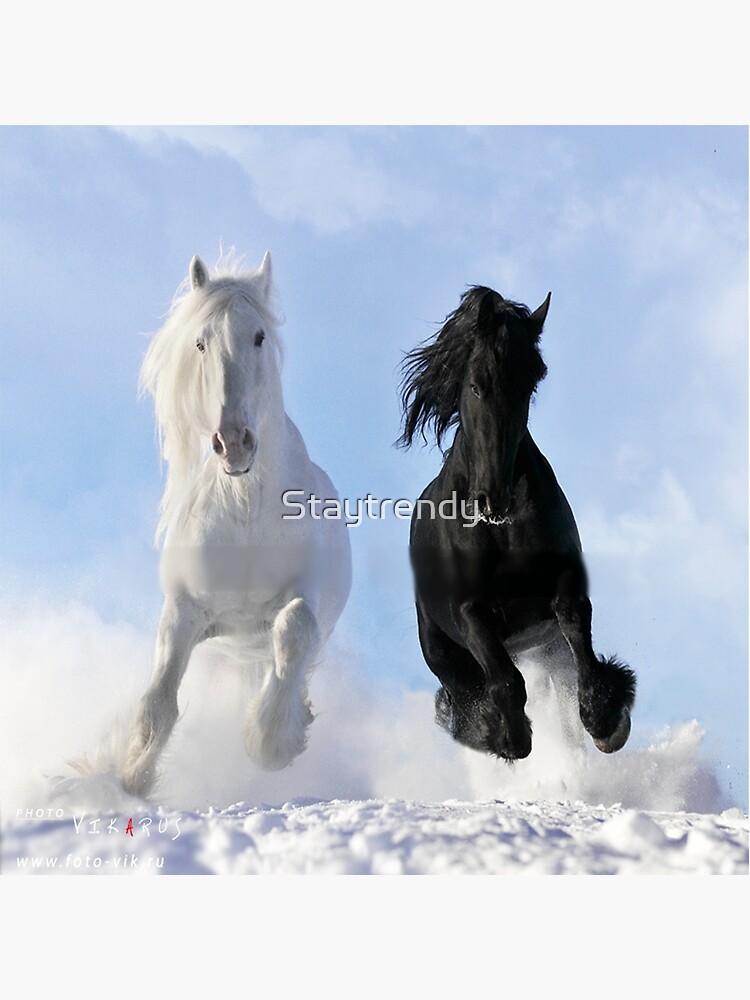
433	373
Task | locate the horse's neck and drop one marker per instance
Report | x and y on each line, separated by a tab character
455	471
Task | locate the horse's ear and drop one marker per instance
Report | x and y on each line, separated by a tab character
198	273
539	315
264	274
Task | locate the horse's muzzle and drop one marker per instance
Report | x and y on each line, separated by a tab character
492	511
236	451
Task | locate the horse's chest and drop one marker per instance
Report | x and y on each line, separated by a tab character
245	621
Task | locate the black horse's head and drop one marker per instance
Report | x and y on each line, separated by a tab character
500	377
480	372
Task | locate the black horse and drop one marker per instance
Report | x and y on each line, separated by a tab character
507	576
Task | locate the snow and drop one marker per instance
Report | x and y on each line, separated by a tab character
380	789
386	837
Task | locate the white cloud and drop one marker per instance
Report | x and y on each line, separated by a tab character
666	547
660	520
316	177
655	225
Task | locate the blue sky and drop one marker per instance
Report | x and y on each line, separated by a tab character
640	234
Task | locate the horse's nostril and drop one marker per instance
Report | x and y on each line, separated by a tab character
217	444
248	439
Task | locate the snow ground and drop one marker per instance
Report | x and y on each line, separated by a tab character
380	789
385	837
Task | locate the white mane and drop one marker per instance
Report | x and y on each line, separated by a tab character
170	372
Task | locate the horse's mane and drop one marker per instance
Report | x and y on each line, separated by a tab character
433	372
170	375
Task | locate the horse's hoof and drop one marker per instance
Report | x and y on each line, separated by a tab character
619	737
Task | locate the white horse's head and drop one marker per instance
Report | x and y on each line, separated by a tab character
236	358
213	370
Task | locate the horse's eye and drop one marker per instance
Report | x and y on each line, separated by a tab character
474	389
259	338
201	346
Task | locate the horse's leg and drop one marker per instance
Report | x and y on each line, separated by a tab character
510	727
463	692
278	719
181	626
606	688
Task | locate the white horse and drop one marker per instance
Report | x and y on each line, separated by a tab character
233	566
